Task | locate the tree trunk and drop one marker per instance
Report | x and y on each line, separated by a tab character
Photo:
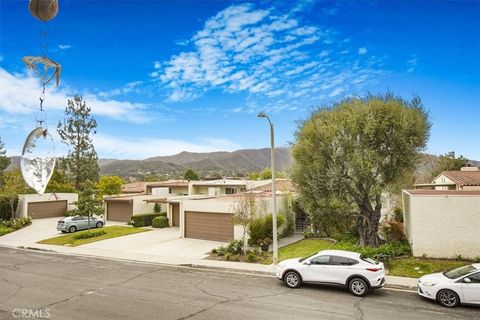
12	208
368	221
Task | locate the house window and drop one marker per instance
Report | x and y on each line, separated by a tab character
230	190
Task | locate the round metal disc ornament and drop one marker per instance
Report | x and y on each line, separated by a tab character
43	9
38	160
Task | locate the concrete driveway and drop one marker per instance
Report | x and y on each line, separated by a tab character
164	244
40	229
157	245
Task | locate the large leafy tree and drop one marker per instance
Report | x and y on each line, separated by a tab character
4	160
12	187
109	185
59	182
190	175
448	162
353	152
76	131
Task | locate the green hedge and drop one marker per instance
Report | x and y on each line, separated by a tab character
143	220
160	222
90	234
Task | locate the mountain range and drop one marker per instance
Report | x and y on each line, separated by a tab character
221	163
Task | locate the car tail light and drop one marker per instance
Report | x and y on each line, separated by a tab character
374	269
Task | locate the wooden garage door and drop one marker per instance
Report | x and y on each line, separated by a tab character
175	215
46	209
119	211
208	226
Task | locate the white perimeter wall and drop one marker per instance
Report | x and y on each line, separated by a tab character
443	226
25	199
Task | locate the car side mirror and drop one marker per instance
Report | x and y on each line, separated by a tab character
308	262
467	280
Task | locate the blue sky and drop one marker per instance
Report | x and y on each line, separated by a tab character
162	77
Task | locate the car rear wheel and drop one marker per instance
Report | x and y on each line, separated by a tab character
99	224
448	298
292	279
72	229
358	287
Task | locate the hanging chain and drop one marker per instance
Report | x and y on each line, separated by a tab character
43	49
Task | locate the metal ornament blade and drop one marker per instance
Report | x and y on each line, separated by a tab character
38	160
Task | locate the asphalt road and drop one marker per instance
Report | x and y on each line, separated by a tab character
68	287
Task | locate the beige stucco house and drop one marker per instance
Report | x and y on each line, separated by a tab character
200	209
468	178
47	205
442	223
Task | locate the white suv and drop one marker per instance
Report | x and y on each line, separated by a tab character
337	267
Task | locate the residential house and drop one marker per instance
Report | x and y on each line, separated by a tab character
442	223
47	205
468	178
205	211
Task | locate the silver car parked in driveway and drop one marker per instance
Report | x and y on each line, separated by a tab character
75	223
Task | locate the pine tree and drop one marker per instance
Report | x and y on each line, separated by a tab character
75	131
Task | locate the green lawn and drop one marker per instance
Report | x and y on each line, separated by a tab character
417	267
303	248
112	232
402	267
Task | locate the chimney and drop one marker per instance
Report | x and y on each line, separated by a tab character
469	169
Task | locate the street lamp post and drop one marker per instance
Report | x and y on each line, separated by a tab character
274	187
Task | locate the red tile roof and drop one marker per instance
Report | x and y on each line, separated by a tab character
282	185
426	192
134	187
169	183
463	178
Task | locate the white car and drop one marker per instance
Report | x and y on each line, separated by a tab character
451	288
335	267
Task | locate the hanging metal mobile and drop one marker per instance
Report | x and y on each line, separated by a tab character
38	158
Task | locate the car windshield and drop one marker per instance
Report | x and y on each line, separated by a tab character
303	259
459	272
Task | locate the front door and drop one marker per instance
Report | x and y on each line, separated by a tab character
317	270
471	290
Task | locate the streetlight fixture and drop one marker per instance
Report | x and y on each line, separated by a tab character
274	188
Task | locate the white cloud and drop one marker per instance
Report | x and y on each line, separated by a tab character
362	50
336	92
156	65
64	46
239	49
412	64
145	147
267	54
131	87
19	95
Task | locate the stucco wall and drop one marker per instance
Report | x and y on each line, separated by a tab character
24	199
140	206
443	226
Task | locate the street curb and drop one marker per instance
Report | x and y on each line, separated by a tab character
253	272
189	265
